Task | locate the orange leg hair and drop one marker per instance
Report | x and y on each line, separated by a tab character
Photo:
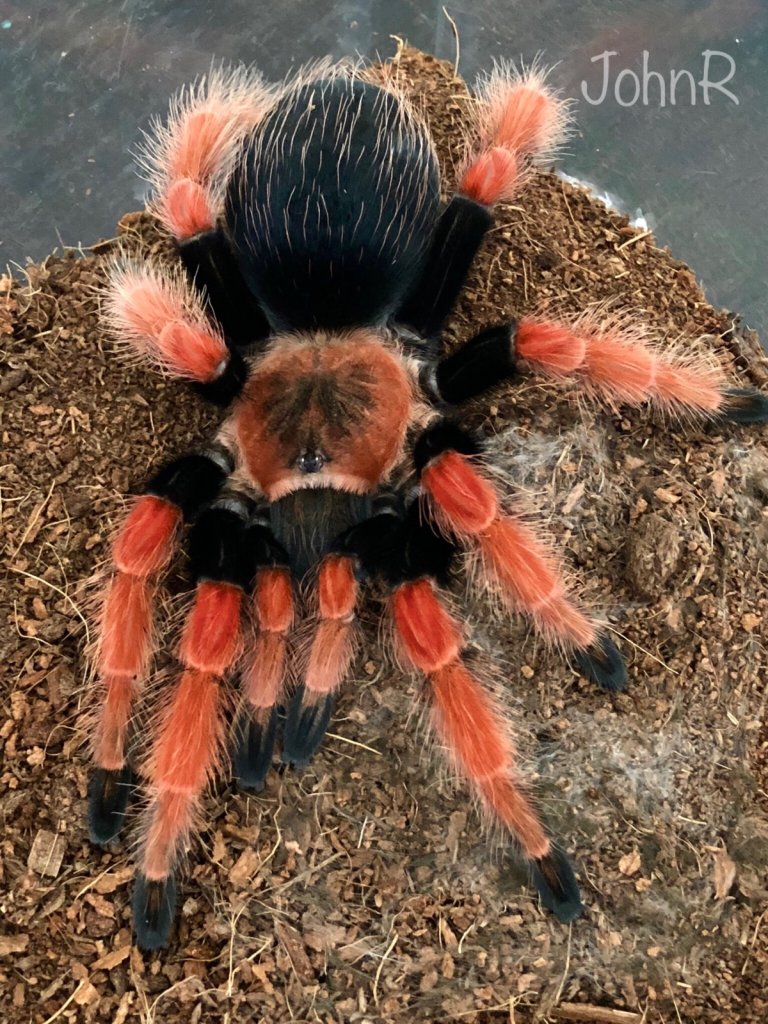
264	675
187	745
142	549
188	158
328	658
614	360
514	559
161	316
518	119
475	737
186	751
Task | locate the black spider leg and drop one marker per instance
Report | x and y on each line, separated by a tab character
459	233
190	483
602	662
218	552
489	359
212	266
483	362
400	545
255	739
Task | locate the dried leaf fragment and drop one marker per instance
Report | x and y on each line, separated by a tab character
47	853
724	873
630	863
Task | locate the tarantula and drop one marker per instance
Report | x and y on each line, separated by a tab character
318	265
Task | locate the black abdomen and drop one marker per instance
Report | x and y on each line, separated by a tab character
333	205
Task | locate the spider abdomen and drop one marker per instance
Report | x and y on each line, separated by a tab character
332	205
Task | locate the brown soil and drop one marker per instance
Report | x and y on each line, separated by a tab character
363	890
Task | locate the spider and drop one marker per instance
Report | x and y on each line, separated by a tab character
317	267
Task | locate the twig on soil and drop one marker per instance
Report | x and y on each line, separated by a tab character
752	943
594	1014
354	743
59	591
455	31
65	1004
379	969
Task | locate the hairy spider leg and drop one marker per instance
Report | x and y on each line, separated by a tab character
328	657
189	156
614	360
513	559
518	119
188	741
265	672
142	549
188	159
160	315
475	737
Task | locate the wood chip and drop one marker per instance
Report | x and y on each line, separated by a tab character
47	853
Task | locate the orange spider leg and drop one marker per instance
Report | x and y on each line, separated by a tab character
161	316
616	361
475	736
186	752
142	549
264	675
518	119
516	563
188	158
328	659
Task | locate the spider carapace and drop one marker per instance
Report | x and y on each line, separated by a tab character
317	266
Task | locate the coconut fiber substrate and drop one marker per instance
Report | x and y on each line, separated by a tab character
363	889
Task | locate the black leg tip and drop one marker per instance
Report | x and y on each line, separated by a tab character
253	753
154	910
305	727
108	795
557	886
603	664
745	405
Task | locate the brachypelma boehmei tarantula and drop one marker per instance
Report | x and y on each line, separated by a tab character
318	266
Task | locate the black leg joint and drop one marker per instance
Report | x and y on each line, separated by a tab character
227	386
486	360
443	436
399	547
192	481
217	547
212	265
459	234
261	547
